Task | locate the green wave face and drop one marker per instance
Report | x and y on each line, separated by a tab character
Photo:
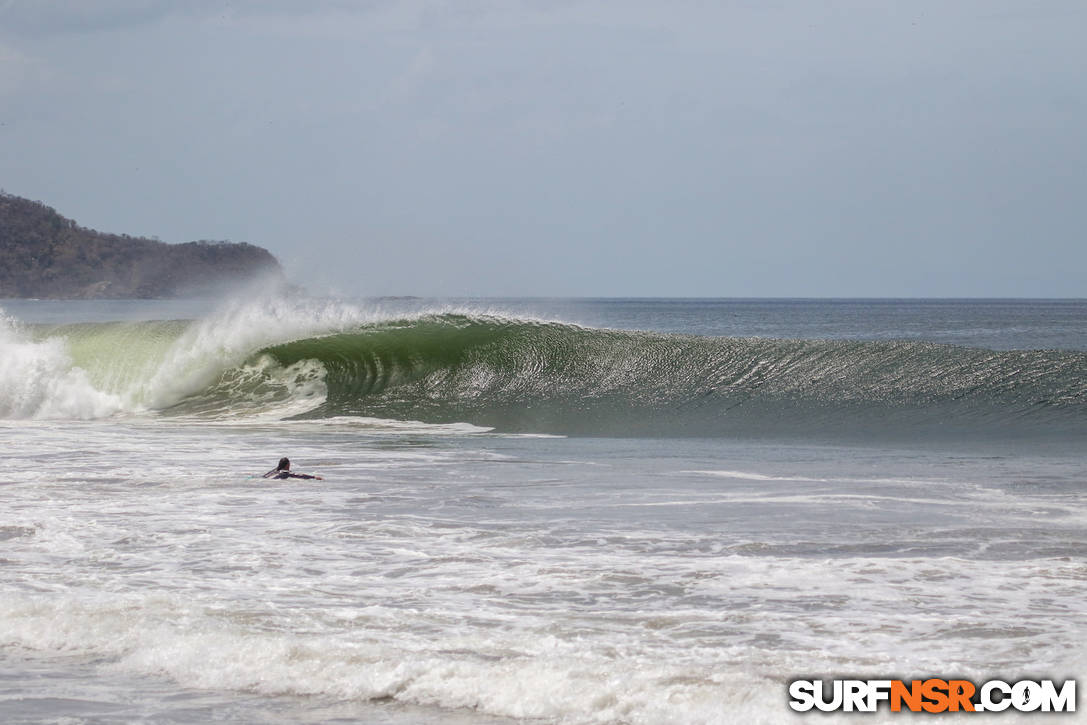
116	355
545	377
524	376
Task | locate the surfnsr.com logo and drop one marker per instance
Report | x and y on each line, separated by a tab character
932	695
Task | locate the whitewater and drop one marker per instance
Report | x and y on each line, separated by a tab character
552	511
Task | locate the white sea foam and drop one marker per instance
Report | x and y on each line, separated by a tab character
544	678
386	425
38	380
750	476
376	585
640	669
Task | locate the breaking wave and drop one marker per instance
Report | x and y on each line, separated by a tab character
518	375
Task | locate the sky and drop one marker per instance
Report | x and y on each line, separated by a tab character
736	148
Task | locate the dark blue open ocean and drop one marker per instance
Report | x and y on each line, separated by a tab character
548	511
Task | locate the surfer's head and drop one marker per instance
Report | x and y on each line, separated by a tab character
284	464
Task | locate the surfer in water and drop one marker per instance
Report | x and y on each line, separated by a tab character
283	470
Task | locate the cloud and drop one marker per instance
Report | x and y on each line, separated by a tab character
46	17
58	16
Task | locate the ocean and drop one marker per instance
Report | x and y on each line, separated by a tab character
638	511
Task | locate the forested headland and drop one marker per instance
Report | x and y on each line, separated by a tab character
45	255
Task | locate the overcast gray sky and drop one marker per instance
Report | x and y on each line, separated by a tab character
625	148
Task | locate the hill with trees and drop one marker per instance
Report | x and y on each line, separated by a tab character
43	254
